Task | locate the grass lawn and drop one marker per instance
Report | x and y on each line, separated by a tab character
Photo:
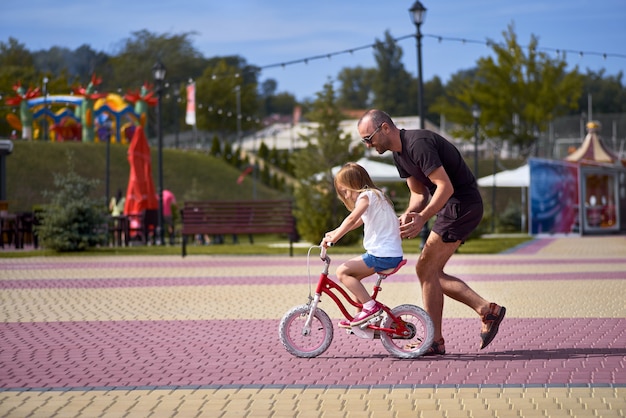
270	245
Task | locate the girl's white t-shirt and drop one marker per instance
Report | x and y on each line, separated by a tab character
381	236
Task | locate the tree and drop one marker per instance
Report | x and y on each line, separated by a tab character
519	93
356	87
433	89
216	147
392	81
15	54
16	64
276	103
607	92
132	65
73	220
317	207
217	89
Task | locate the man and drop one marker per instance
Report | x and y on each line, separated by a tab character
440	184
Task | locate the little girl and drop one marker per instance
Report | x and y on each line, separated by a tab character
382	242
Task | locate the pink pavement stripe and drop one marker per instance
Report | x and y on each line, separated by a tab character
132	354
8	264
108	283
286	262
531	247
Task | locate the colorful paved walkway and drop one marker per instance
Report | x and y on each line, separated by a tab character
163	337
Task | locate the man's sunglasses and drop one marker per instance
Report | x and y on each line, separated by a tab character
368	139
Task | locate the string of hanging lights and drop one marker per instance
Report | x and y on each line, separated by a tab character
439	38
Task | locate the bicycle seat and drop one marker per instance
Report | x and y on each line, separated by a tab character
389	272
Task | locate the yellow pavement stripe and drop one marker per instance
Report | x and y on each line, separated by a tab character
523	299
605	402
601	246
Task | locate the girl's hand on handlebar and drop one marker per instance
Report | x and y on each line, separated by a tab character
327	242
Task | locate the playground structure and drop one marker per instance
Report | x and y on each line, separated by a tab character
85	116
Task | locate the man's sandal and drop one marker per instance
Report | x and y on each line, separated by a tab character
437	348
492	321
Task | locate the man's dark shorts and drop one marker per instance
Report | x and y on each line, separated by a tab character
456	220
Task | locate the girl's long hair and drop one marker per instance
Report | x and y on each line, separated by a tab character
355	178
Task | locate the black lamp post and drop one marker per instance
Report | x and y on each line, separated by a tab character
45	105
476	115
158	72
105	132
418	13
496	150
176	104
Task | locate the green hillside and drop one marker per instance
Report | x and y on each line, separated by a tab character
190	175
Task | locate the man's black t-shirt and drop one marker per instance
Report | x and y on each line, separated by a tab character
423	151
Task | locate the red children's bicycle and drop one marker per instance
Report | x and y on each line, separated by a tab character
406	331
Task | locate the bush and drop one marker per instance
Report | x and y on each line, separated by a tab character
511	219
73	221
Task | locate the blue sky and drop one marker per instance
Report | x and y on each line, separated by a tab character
267	32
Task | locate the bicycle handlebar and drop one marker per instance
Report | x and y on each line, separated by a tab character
323	251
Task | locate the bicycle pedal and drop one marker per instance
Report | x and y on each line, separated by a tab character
374	321
366	333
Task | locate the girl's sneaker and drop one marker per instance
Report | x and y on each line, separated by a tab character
367	314
344	323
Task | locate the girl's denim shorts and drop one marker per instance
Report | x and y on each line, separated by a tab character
381	263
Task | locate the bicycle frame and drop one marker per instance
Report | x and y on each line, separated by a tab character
329	287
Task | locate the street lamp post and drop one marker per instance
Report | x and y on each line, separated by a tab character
158	72
476	115
45	105
418	13
106	133
176	104
496	150
238	97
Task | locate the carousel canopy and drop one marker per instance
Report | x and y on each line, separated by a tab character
593	150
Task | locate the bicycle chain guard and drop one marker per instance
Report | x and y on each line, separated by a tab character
363	330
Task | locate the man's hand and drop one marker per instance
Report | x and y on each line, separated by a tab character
411	224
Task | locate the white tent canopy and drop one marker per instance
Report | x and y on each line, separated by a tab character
379	172
519	177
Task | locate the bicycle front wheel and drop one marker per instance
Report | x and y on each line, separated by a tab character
301	342
420	332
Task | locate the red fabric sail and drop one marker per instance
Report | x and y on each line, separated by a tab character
140	194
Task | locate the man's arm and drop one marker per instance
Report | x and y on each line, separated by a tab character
413	220
419	195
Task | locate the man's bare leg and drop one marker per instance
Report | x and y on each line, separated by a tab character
435	283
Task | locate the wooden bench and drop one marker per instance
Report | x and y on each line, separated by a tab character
238	217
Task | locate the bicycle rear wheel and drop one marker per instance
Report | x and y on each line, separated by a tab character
299	343
421	334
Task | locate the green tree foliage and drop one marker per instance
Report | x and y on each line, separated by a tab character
274	102
264	151
317	208
132	65
219	86
519	93
216	147
228	153
16	64
72	221
608	93
392	81
356	84
433	89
